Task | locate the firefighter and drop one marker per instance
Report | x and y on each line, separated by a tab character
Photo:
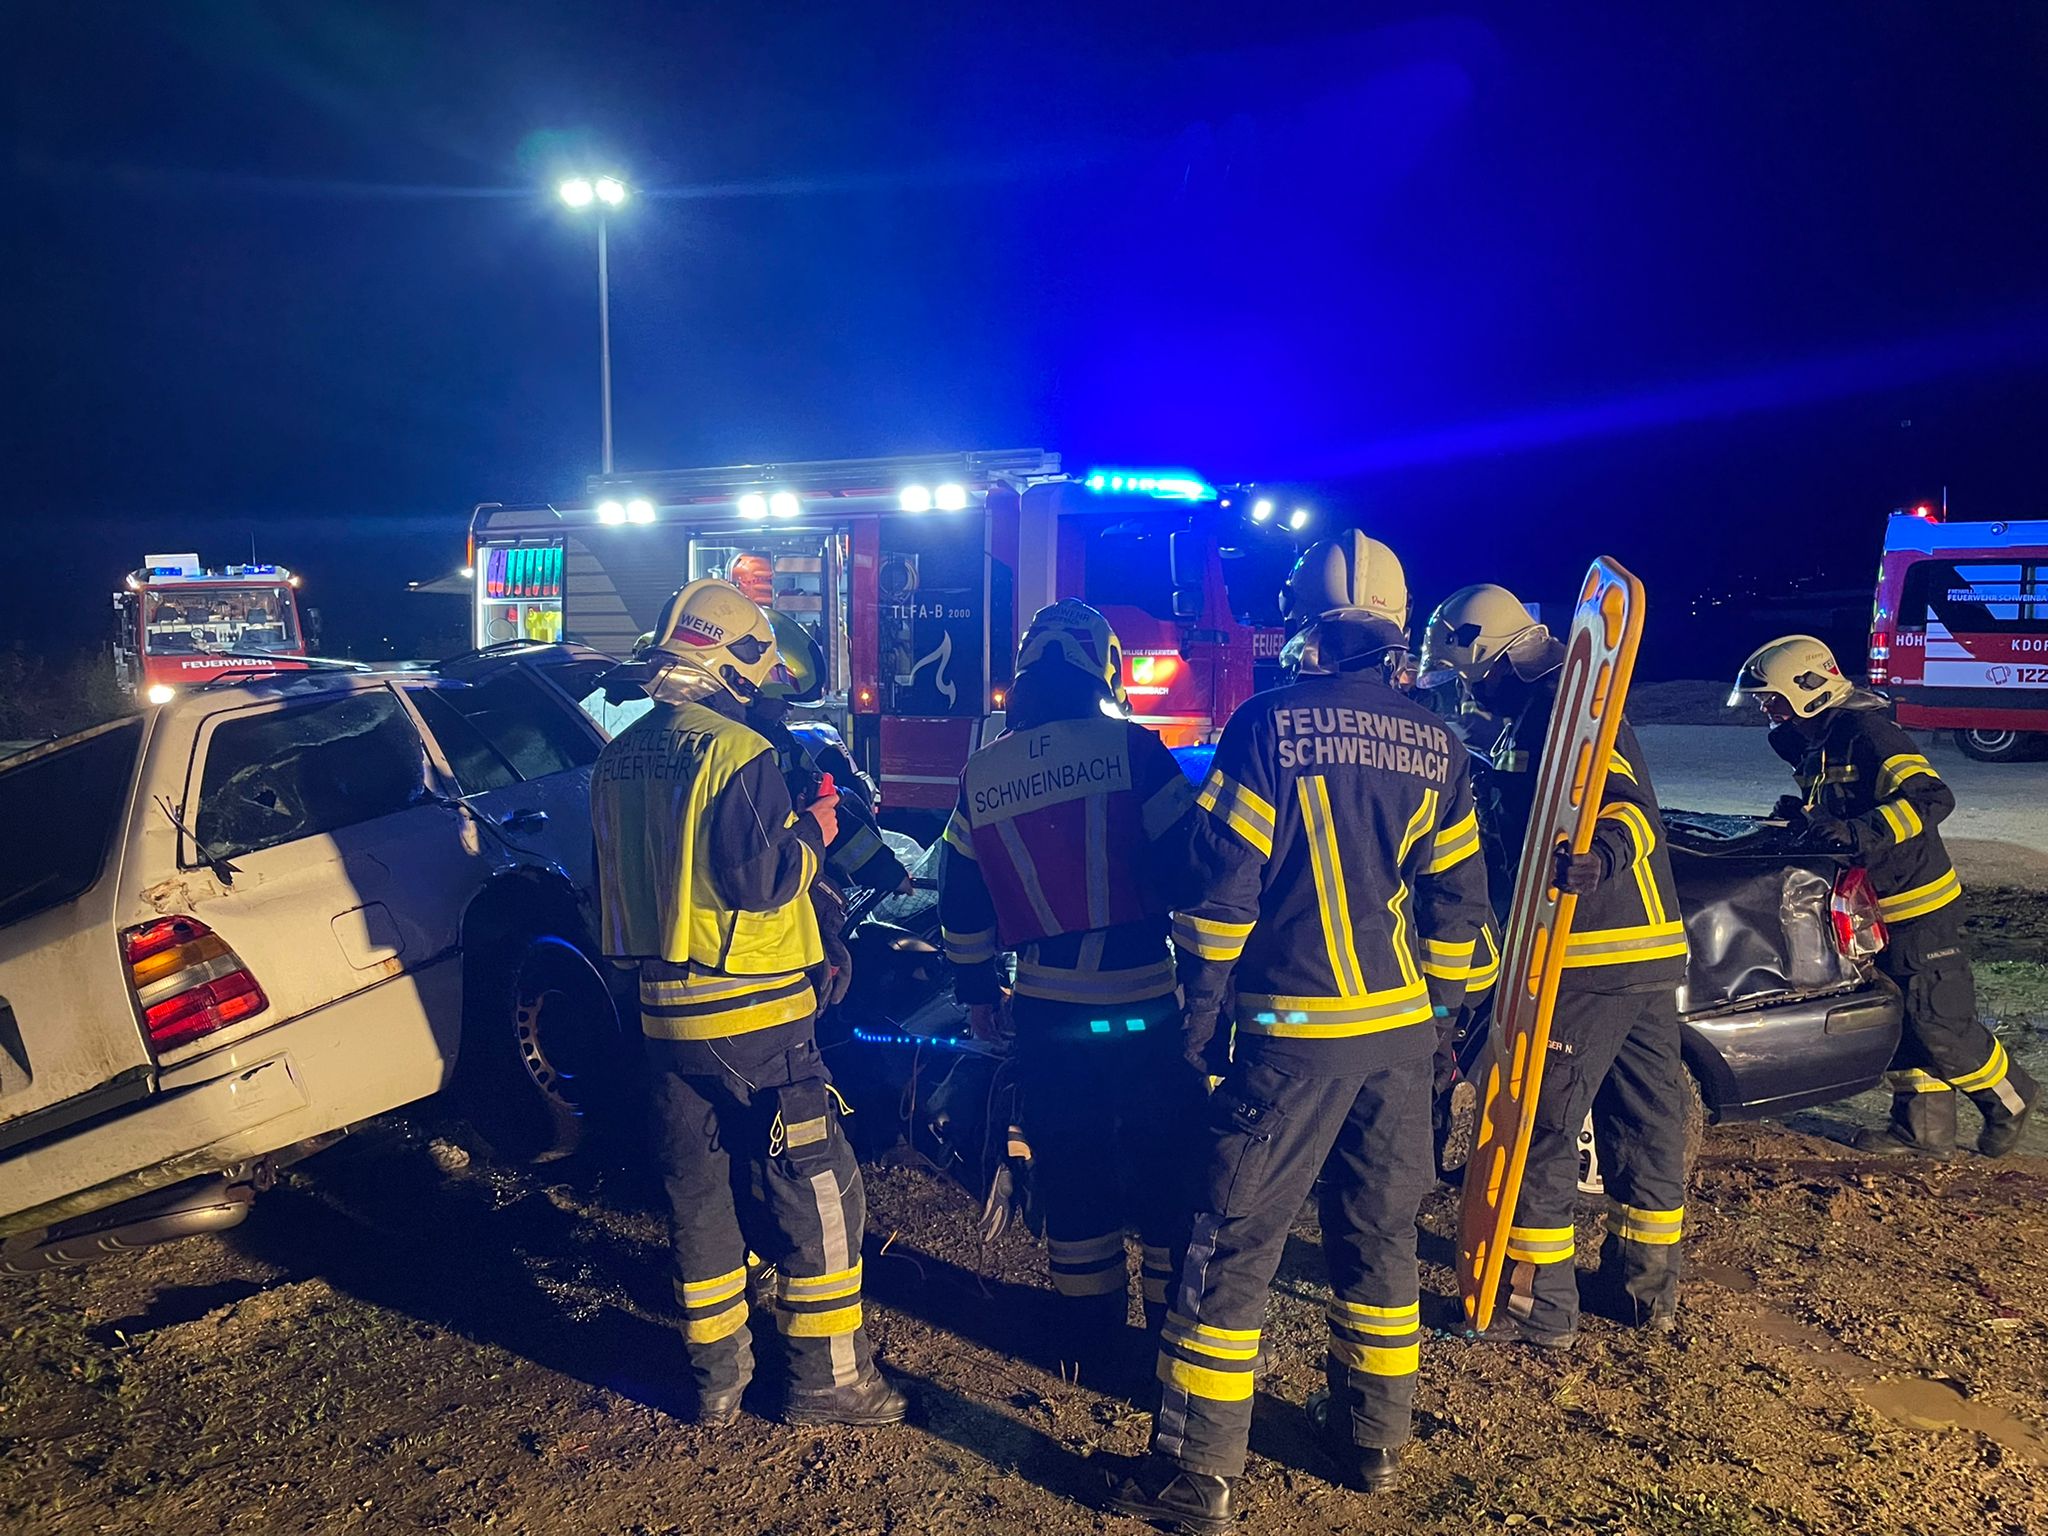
703	874
1342	898
1614	1039
1069	831
1867	791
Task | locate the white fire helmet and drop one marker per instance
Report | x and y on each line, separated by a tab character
1472	630
1072	632
713	628
1798	669
1350	573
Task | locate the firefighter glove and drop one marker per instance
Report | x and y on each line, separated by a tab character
1824	834
1789	809
1579	874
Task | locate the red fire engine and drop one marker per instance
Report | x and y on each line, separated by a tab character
1959	633
912	577
176	623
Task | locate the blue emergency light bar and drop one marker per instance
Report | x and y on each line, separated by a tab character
1160	484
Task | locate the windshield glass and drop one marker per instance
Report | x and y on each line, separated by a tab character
208	618
61	810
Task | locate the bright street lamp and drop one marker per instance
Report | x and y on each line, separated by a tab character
606	192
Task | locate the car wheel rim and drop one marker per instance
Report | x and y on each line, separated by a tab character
1993	741
549	1074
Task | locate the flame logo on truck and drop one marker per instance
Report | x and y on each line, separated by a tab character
943	655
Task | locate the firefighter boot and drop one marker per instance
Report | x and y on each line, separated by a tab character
2002	1122
1363	1468
1923	1125
1196	1503
865	1402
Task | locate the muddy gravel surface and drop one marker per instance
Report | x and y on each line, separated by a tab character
394	1343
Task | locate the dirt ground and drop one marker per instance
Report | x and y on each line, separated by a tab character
385	1346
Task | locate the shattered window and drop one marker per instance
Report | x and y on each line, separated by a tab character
530	729
274	778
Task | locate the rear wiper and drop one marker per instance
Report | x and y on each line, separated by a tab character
223	871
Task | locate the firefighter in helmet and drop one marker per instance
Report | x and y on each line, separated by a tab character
1614	1040
704	870
1069	832
1342	896
1866	791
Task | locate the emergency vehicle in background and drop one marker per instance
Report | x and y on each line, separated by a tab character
177	623
911	578
1959	633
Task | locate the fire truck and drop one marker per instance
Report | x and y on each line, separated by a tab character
177	623
1959	631
907	581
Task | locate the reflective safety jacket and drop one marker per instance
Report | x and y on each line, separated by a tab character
1063	848
1344	893
703	870
1629	932
1857	767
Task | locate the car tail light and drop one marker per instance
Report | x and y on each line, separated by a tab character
1859	926
1880	653
186	981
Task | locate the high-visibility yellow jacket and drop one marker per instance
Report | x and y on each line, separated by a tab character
703	870
1855	766
1344	892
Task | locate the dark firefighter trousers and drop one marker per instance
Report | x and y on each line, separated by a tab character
1270	1133
1944	1047
1615	1054
1111	1116
760	1161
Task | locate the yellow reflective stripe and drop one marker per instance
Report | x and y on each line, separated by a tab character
733	1021
1913	1080
968	948
1223	1335
825	1287
810	862
1448	962
1054	984
1200	1381
1333	902
719	1325
1217	1343
1894	771
1636	1225
804	1133
1397	904
1616	763
1640	832
1921	900
1377	1359
1168	804
1990	1075
1334	1017
1541	1245
702	1293
818	1325
1454	844
1209	938
1904	821
1250	817
1623	946
1384	1322
1485	972
960	838
710	988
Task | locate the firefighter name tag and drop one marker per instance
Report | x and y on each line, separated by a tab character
1034	770
1599	658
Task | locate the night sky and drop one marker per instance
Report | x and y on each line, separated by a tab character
1708	288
